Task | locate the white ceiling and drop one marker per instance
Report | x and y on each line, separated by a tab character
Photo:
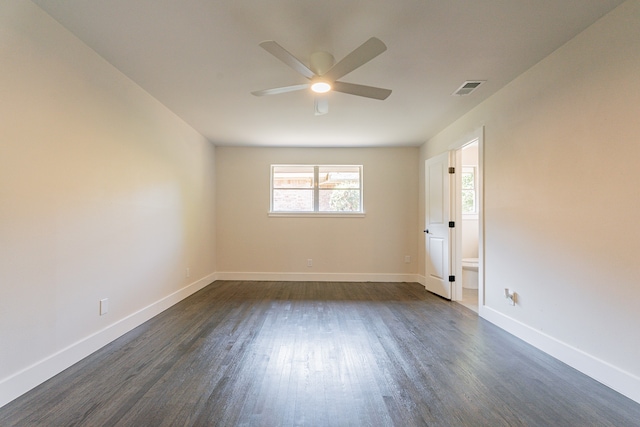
201	59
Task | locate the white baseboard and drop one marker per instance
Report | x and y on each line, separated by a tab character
317	277
615	378
22	381
31	376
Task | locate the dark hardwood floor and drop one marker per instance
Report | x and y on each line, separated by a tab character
316	354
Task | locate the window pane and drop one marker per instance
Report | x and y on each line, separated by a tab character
468	201
339	177
339	200
293	177
293	200
468	180
316	188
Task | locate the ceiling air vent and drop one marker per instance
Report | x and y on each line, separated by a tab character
468	87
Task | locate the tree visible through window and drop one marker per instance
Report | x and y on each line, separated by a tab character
316	188
469	190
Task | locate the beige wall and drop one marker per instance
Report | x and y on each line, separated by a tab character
561	152
104	193
249	241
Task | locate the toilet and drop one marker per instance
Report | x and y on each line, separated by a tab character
470	273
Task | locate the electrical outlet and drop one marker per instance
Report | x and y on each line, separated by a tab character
188	273
510	297
407	259
104	306
309	262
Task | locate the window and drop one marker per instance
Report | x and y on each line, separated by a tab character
326	189
469	190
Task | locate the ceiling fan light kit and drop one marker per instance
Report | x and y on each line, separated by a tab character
324	73
320	87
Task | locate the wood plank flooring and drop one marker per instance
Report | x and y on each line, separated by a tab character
319	354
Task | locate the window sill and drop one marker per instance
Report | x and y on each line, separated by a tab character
317	214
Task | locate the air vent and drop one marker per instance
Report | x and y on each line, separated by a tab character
468	87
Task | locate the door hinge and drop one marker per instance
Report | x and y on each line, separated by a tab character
452	169
452	278
452	224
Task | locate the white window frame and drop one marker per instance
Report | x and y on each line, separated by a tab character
316	193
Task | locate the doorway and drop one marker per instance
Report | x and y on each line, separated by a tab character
468	243
454	201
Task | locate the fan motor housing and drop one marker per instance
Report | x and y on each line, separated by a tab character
321	62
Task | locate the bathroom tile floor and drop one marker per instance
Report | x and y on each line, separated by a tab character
470	299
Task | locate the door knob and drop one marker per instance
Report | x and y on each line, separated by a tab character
426	231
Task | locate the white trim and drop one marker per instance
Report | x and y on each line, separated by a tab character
316	189
317	214
34	375
317	277
477	133
22	381
615	378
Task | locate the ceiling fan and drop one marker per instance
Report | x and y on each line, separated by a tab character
324	73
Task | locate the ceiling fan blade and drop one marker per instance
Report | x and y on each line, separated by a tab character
320	105
279	90
361	55
283	55
361	90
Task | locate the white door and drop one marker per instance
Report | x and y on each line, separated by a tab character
438	261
